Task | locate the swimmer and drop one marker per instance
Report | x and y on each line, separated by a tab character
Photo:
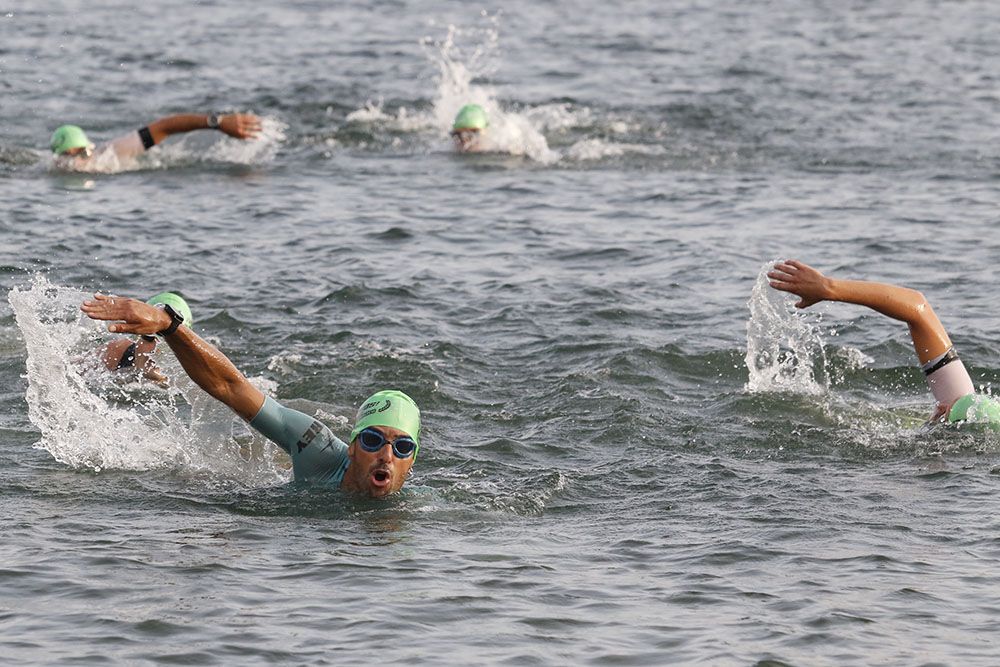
469	127
949	382
384	442
74	151
124	354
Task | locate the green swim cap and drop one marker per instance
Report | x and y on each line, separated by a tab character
976	409
389	408
68	137
175	302
470	117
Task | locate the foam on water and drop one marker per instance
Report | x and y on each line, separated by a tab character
88	419
784	348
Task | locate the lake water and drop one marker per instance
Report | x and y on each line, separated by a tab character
602	480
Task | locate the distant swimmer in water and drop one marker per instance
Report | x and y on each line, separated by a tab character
127	356
469	128
75	152
949	381
383	444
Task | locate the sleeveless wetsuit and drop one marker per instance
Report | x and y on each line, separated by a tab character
318	455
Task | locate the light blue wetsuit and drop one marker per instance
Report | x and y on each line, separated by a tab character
317	454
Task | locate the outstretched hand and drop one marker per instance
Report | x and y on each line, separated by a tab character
800	279
240	125
133	316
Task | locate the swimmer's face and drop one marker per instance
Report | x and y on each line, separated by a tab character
468	140
79	151
75	158
382	472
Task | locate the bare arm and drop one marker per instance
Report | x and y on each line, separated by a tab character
238	125
206	365
930	339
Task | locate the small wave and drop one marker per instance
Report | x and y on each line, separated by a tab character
598	149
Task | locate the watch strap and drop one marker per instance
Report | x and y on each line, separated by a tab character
176	319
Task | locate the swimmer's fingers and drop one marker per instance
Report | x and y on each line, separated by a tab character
787	286
240	125
130	315
799	279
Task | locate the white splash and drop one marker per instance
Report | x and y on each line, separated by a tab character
784	348
89	419
509	131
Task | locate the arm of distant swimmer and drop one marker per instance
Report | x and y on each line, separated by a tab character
946	375
900	303
237	125
206	365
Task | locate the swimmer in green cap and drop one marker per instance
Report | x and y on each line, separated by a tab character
125	355
468	128
384	442
74	151
949	381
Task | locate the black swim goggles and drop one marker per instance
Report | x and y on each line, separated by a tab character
372	441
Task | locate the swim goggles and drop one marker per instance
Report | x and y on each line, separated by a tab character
465	135
87	151
372	441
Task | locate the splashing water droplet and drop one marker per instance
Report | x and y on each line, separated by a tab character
784	349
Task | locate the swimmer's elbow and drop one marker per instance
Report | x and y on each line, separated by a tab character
920	305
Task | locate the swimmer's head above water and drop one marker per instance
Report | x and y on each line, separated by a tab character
384	443
71	140
467	130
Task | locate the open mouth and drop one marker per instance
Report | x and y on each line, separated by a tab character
380	477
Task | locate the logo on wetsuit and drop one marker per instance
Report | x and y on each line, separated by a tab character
314	430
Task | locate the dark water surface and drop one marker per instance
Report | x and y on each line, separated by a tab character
602	480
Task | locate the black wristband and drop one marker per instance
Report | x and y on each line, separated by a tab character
176	319
949	356
147	138
148	338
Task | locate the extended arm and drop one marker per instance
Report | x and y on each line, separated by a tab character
133	144
203	363
930	340
238	125
945	372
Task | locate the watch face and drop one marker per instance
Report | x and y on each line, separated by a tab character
213	121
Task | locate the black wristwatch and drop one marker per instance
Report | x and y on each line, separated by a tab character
176	319
213	121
